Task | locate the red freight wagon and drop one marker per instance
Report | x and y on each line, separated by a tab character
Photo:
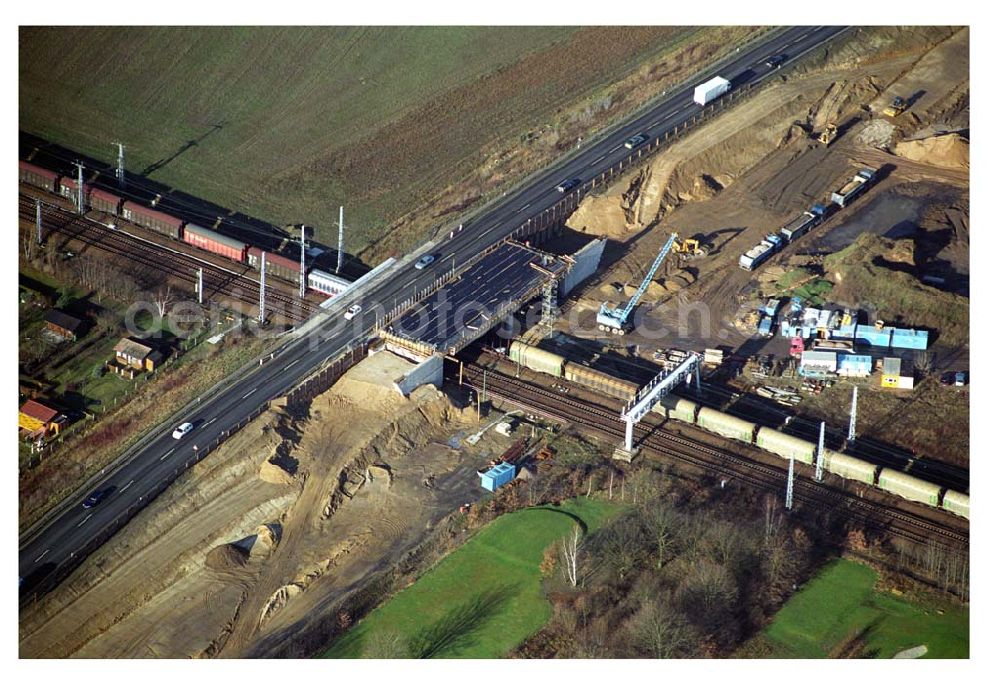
209	240
277	265
152	219
104	201
68	187
38	177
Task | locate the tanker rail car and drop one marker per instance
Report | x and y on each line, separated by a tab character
200	237
773	441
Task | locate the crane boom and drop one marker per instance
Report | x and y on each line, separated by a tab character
617	319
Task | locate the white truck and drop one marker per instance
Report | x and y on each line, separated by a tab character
711	90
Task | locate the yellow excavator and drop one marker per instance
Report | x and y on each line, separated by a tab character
828	134
688	248
895	108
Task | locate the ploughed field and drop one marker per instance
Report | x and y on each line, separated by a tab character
286	123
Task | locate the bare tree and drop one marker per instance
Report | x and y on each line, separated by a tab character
162	299
659	524
772	518
570	548
657	632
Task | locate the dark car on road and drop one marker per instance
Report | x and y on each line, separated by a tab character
636	140
776	61
97	497
568	185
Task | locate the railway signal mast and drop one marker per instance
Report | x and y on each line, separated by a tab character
791	482
79	187
302	262
201	285
120	169
340	240
38	221
263	268
819	451
852	429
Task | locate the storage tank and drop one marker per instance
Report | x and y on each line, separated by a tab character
537	359
713	89
726	425
677	408
599	381
909	487
849	467
785	445
956	502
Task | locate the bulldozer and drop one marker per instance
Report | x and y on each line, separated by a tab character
895	108
828	134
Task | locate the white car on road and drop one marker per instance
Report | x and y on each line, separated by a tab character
182	430
352	311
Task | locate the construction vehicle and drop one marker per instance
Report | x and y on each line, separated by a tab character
895	108
689	248
828	134
619	320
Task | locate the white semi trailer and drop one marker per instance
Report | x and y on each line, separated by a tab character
713	89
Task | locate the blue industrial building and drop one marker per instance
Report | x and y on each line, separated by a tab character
857	366
867	335
912	339
497	476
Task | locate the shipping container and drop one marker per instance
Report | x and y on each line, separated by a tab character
713	89
849	467
909	487
956	502
37	176
599	381
536	359
676	408
152	219
104	201
497	476
211	241
726	425
912	339
327	283
867	335
785	445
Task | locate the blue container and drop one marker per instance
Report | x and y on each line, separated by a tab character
867	335
913	339
497	476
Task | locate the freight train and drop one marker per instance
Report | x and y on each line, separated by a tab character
773	441
198	236
809	219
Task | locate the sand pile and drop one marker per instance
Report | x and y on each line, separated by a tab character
948	150
271	471
226	557
600	216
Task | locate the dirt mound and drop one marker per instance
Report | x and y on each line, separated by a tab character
226	557
841	99
601	217
267	538
272	472
947	150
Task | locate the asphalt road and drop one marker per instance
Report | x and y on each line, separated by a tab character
74	527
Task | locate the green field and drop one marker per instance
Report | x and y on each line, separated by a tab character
286	123
840	604
484	599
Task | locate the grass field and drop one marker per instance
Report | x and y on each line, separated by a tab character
484	599
286	123
840	607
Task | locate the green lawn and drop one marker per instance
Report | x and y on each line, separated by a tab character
840	603
484	599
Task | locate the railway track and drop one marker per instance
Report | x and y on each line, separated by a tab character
179	265
606	422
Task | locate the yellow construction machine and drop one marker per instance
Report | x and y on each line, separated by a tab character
828	134
895	108
688	248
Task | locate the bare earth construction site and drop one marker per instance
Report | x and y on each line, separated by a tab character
286	537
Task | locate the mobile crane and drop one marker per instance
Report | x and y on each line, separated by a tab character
619	320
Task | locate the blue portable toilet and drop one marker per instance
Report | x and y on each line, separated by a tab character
497	476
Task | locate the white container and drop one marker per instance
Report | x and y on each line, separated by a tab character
713	89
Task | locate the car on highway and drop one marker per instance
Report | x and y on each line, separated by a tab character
776	61
568	185
352	311
424	261
97	497
637	140
183	429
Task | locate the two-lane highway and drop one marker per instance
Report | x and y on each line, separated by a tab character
74	526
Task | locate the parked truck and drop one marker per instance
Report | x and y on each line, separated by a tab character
854	188
711	90
761	252
808	220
